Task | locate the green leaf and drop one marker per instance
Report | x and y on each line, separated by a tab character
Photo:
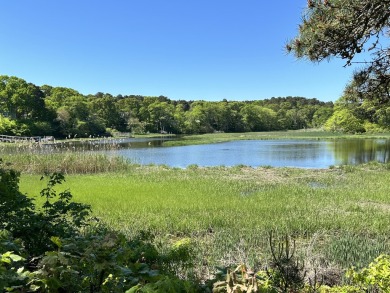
134	289
9	256
16	257
56	241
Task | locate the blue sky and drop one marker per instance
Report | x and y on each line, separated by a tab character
187	49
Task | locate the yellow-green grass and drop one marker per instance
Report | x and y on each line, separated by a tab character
340	217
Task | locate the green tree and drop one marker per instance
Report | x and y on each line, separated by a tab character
180	118
128	108
135	126
321	115
196	119
7	126
343	120
105	108
223	117
78	107
57	97
211	114
345	28
295	119
162	116
21	100
257	118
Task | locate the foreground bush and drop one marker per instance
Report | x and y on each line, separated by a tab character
57	247
375	278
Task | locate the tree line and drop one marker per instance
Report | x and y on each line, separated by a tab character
28	109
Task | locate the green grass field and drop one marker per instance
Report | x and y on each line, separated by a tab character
339	217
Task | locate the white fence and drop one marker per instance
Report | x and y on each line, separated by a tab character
10	138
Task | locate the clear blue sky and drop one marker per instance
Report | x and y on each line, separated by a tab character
183	49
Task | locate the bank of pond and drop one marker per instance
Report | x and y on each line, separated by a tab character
301	149
335	215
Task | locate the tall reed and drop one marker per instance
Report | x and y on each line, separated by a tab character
68	158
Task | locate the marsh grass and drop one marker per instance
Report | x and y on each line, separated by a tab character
228	212
355	248
69	163
66	157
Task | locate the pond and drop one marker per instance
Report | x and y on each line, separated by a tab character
255	153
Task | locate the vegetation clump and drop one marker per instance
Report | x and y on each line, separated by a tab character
57	247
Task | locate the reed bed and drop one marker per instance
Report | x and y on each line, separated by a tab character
339	217
67	157
68	163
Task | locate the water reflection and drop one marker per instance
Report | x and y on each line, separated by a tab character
360	151
122	143
277	153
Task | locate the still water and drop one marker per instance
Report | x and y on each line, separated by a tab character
276	153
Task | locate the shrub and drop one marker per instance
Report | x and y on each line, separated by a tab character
55	247
58	216
12	274
375	277
344	121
